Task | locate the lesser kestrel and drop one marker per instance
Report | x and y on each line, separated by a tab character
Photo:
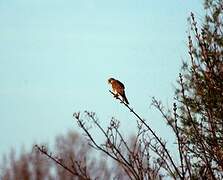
118	89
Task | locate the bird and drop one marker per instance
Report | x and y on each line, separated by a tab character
118	89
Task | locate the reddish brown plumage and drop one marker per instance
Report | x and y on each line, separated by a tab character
118	88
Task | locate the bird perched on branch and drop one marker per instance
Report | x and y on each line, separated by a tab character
118	89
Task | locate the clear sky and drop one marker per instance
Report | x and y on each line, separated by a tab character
56	57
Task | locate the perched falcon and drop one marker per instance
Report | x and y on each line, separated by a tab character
118	89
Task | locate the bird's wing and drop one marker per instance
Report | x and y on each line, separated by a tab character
121	84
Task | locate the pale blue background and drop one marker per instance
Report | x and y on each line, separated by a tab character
56	57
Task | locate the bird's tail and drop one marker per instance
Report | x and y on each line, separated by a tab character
125	98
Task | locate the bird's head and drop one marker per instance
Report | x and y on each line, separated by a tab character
110	80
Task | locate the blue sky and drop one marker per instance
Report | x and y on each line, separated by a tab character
56	57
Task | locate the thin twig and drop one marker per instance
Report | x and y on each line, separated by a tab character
157	138
44	151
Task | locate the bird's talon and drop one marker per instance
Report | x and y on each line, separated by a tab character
116	96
